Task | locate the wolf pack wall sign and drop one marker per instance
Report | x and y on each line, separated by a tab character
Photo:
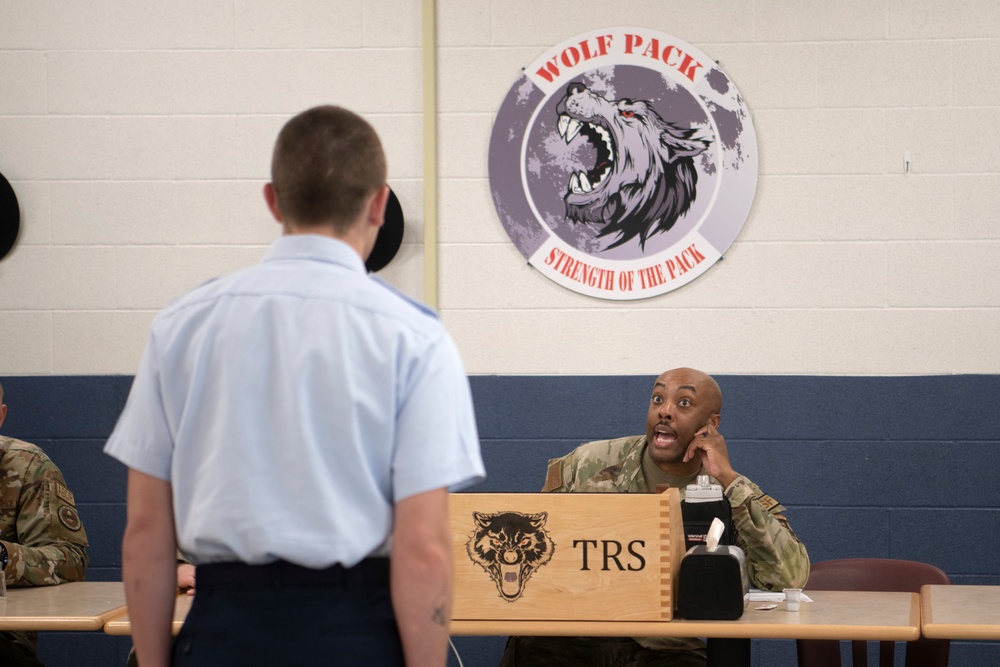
623	163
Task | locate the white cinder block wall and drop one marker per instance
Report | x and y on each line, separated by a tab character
137	136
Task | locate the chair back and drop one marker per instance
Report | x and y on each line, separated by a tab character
874	574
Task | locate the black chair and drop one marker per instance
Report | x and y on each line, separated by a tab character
873	574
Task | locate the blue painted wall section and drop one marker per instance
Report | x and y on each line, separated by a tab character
894	467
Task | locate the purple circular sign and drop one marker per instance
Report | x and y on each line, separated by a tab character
623	163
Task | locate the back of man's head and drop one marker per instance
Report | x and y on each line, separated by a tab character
327	162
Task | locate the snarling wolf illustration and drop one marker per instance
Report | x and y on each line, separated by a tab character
644	177
510	546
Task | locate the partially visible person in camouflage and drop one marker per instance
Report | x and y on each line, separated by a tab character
681	441
42	540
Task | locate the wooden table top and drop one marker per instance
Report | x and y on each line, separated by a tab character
960	612
79	605
831	615
121	625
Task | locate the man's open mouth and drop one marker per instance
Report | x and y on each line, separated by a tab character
663	437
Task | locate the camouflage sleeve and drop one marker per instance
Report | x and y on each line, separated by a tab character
52	544
601	466
570	473
776	558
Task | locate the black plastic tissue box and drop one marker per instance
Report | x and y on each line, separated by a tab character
712	585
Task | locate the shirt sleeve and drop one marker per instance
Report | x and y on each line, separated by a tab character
776	559
142	438
437	443
52	544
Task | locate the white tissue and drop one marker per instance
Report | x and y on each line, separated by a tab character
714	534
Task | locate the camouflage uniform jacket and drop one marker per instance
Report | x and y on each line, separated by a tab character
775	557
39	525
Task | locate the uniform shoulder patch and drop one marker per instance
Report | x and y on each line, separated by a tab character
553	476
768	503
69	518
65	494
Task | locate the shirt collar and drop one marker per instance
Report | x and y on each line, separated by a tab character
314	247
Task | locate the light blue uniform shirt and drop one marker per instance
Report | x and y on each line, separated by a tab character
291	404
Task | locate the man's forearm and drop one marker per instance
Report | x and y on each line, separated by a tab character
150	589
421	577
421	599
149	568
53	563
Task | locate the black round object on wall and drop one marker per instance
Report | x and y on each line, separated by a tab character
10	217
390	236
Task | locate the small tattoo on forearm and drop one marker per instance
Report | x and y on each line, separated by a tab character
439	616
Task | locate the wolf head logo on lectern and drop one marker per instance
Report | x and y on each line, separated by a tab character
643	178
510	546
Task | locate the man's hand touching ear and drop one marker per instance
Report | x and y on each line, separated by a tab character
709	445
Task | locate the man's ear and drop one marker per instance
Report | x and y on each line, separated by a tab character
272	202
376	207
3	413
715	419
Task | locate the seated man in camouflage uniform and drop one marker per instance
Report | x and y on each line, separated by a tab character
681	441
42	541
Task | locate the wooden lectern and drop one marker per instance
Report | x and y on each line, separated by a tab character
566	556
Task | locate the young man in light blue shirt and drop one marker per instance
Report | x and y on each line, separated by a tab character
294	429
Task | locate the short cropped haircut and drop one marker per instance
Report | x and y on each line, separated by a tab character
327	161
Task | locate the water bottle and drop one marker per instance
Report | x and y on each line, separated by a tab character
703	501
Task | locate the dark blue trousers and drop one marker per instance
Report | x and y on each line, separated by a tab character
283	614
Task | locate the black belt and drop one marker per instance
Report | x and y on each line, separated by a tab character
369	572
